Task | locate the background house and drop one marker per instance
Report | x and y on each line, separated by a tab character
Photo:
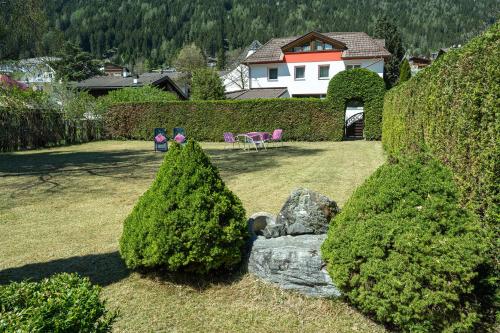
236	78
36	73
102	85
305	64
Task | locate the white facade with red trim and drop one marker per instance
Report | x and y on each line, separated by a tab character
308	73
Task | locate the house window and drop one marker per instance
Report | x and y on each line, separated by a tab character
323	72
272	74
352	66
300	72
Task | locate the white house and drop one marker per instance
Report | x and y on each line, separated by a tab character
237	77
34	72
304	65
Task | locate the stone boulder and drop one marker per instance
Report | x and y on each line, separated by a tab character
307	212
294	263
264	224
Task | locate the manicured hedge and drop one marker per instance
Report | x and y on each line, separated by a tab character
362	85
405	251
188	220
301	119
23	128
452	110
62	303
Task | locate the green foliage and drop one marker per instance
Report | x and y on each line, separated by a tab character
404	251
452	110
62	303
301	119
221	59
207	85
138	95
387	30
404	71
361	85
35	119
75	64
189	59
188	220
22	24
157	29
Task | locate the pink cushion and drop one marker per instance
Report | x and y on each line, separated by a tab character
160	138
179	138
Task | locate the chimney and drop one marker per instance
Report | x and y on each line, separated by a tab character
136	79
124	72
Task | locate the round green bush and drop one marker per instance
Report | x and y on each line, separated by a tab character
188	220
404	251
362	85
62	303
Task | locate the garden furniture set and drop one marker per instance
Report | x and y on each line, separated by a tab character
253	139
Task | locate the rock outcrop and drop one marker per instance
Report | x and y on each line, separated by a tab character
307	212
294	263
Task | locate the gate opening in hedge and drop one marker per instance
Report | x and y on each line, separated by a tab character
358	90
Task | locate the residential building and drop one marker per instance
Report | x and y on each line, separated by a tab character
258	93
418	63
236	78
305	64
37	73
102	85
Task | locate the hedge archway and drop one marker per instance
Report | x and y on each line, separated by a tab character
358	84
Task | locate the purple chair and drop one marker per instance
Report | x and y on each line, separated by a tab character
229	139
277	136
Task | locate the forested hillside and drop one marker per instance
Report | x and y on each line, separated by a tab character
156	29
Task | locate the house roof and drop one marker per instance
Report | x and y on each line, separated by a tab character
358	45
106	82
257	93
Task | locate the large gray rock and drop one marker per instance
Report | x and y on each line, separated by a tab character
307	212
264	224
292	262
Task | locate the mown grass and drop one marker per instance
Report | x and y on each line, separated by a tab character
62	209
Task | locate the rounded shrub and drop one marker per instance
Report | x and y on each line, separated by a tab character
404	251
361	85
188	220
62	303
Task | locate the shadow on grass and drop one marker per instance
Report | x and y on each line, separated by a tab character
236	161
195	281
102	269
12	164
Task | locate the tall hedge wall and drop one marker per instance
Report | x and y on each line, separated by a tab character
362	85
452	109
22	128
301	119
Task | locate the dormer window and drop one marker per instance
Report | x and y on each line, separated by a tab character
313	42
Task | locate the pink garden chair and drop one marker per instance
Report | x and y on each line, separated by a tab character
277	136
229	139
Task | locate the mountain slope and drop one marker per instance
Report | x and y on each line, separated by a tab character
156	29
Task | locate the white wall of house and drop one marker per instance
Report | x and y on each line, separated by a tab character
237	79
311	84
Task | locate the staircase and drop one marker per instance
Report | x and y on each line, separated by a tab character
354	126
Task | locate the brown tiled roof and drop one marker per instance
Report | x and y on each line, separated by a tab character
257	93
359	45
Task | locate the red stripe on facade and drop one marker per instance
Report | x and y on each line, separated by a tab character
313	56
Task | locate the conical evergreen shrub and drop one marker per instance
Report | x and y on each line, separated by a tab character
188	220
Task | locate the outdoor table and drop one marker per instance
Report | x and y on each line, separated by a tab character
256	138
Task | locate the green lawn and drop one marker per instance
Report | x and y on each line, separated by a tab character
62	209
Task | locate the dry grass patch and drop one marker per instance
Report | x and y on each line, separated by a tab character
62	209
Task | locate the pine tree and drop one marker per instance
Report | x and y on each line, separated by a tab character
75	64
404	71
188	220
207	85
386	30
